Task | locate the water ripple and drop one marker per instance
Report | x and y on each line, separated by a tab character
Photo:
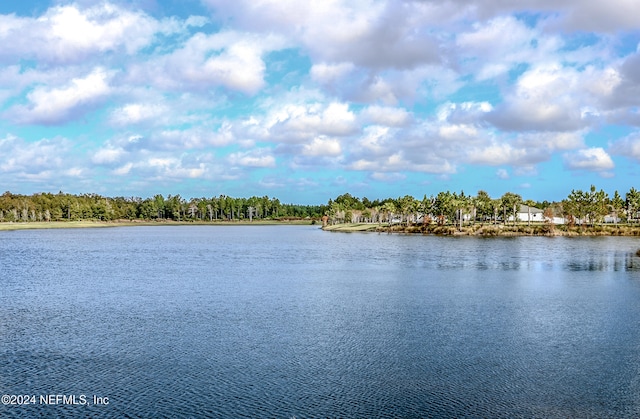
217	322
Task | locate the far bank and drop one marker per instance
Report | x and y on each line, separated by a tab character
43	225
490	230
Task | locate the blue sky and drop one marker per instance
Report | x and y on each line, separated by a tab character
308	100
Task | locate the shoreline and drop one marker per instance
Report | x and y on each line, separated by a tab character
490	230
44	225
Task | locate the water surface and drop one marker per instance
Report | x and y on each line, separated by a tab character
283	321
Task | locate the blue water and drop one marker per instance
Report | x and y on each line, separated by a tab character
284	321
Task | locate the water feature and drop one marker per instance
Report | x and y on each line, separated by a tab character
284	321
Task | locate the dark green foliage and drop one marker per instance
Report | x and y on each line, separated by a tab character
67	207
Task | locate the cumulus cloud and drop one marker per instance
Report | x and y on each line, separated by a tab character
329	74
378	87
36	161
298	123
162	167
225	59
70	34
493	54
545	98
498	154
593	159
55	105
322	146
587	15
386	116
623	84
363	32
400	162
464	113
108	155
257	158
192	138
628	146
135	113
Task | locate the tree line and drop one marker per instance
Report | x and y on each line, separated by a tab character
63	206
580	207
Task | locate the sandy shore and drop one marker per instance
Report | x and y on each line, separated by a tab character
6	226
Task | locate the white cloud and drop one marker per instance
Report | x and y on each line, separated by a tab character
364	32
399	162
330	73
192	138
54	105
586	15
628	146
70	34
493	53
229	59
108	155
161	167
502	174
498	154
594	15
37	161
387	116
545	98
593	159
300	123
322	146
387	177
258	158
463	113
123	170
135	113
363	85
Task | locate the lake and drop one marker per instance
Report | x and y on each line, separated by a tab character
291	321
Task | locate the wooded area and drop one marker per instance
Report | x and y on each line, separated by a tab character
67	207
580	207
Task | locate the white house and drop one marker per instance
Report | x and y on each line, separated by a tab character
527	213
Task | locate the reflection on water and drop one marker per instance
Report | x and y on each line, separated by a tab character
293	321
619	261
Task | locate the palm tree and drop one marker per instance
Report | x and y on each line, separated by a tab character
443	205
388	208
483	205
510	203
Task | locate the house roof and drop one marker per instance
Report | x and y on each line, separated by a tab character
527	209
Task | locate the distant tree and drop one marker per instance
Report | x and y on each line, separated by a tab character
616	205
426	207
597	205
587	206
633	203
576	205
511	203
388	209
193	210
483	205
444	207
